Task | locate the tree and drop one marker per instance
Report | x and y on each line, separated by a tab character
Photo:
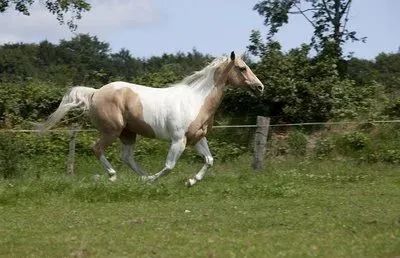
88	56
59	8
328	18
388	72
124	66
297	88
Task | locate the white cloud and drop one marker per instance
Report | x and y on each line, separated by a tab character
106	17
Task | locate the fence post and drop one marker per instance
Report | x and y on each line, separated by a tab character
71	153
260	142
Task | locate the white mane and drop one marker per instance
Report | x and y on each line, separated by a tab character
198	78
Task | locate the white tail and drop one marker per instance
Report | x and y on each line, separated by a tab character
77	97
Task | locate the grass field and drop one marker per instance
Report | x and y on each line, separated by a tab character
295	208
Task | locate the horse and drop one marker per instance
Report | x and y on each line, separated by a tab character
182	113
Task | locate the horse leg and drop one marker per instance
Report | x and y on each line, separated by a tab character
175	151
128	140
202	148
98	148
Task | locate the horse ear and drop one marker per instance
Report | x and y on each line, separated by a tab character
233	56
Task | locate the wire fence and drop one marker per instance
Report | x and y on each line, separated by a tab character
260	139
227	126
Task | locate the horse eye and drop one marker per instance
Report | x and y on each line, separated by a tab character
242	68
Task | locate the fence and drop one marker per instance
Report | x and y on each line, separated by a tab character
260	137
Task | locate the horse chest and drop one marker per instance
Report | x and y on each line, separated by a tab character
198	129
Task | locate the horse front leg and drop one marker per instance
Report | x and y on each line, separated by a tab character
175	151
202	148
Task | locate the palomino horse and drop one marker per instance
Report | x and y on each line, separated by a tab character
182	113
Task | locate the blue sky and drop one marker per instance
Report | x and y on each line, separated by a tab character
153	27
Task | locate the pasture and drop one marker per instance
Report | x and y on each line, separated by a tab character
295	208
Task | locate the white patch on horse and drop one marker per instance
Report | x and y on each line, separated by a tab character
169	111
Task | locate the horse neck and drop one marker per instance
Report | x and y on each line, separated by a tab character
210	93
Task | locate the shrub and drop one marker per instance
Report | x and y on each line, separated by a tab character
9	155
297	142
324	147
390	156
393	109
355	140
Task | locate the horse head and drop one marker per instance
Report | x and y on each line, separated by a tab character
239	75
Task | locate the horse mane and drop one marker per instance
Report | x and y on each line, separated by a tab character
199	76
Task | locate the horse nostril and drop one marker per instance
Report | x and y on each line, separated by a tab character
260	88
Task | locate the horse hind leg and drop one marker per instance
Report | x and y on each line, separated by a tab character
128	140
99	148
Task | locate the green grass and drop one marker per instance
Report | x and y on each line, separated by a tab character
295	208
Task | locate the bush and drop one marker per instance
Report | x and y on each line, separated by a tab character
355	140
324	147
393	109
297	142
390	156
9	155
28	102
352	101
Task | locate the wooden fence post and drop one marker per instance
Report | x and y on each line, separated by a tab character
71	153
260	142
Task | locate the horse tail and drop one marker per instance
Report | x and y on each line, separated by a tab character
76	97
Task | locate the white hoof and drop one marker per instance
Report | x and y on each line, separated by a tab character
113	178
190	182
148	178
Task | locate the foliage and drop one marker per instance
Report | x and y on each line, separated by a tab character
387	68
297	142
29	102
85	60
59	8
392	110
297	88
87	57
324	148
352	101
328	17
355	141
362	71
9	156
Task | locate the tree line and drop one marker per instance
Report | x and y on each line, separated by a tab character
300	87
33	77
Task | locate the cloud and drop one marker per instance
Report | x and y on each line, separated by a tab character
105	18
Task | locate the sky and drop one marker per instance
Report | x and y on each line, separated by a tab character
154	27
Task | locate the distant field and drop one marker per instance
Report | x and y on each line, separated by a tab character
295	208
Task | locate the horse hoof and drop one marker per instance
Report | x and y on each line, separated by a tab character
148	179
190	182
144	178
113	178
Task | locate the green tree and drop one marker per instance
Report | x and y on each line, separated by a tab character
59	8
18	62
124	66
388	72
362	71
88	57
328	18
297	88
